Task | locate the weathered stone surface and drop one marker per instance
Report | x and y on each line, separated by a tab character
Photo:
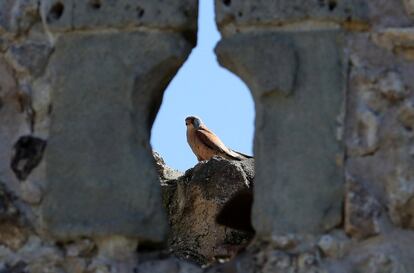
298	183
276	12
406	115
354	14
31	56
400	190
5	7
379	148
170	265
99	89
75	265
12	234
117	248
99	136
30	192
166	173
389	253
18	16
40	256
335	245
409	6
259	68
193	203
398	40
12	120
362	211
64	15
7	208
81	248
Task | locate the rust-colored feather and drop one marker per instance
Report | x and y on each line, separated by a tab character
205	144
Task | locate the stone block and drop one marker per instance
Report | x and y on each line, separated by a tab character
278	12
107	89
194	202
62	15
382	85
298	184
261	12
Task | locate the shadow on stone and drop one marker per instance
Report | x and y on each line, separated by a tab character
195	199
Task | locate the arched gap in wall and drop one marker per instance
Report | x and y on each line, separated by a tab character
203	89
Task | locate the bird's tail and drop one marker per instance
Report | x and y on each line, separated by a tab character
242	155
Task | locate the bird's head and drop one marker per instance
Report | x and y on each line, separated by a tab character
193	121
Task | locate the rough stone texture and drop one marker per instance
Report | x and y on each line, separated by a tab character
409	6
389	253
12	120
380	147
134	70
398	40
65	15
72	75
362	211
101	68
170	265
193	202
13	234
165	172
31	56
352	14
242	12
18	16
299	185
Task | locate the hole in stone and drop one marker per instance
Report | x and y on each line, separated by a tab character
27	154
140	12
55	12
50	109
95	4
332	5
223	102
240	14
204	89
408	128
227	2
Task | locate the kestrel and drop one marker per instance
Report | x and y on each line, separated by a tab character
205	144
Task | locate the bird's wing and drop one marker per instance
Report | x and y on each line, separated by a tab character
211	140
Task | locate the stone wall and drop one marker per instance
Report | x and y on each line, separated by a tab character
81	82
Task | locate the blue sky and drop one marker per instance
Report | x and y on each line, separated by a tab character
204	89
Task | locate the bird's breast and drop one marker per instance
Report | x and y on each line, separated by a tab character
199	148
